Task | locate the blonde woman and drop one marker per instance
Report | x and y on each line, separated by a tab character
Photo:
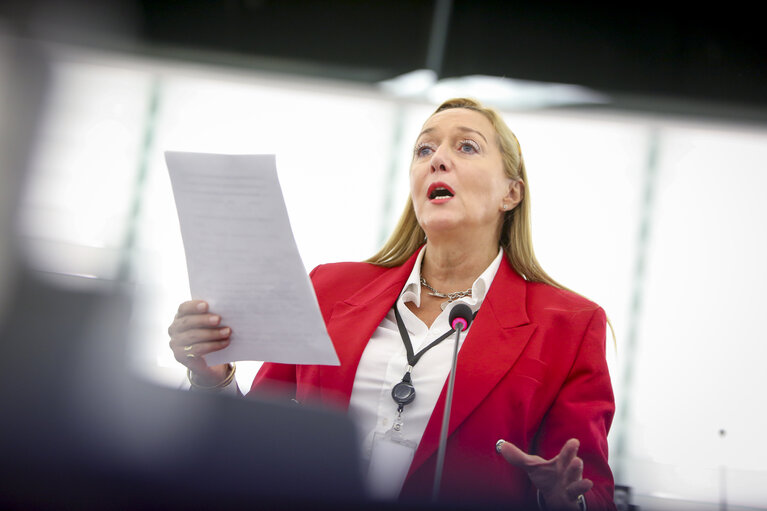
533	401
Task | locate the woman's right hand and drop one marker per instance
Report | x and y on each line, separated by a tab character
196	332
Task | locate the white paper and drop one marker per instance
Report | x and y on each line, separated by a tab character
242	258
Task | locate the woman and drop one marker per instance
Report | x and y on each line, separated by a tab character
531	370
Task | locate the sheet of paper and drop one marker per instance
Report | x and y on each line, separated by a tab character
242	258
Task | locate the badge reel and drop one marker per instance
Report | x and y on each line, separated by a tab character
403	394
391	449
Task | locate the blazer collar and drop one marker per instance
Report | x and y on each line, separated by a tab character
351	325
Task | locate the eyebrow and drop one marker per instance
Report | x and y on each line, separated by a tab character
460	128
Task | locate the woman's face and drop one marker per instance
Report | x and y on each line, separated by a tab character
457	181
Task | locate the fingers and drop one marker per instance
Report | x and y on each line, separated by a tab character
517	456
201	349
568	453
192	307
186	335
197	364
199	341
578	488
193	324
195	332
192	355
185	323
573	471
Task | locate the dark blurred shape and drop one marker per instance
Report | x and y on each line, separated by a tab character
108	25
23	81
623	499
673	50
80	431
664	49
354	39
658	56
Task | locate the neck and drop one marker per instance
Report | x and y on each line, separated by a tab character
453	265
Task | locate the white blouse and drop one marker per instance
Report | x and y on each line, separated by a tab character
384	363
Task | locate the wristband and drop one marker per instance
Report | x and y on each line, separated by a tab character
581	501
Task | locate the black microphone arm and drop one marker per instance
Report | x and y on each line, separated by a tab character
460	319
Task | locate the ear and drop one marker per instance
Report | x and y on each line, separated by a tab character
514	196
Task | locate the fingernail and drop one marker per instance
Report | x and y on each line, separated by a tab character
498	445
202	306
224	331
214	320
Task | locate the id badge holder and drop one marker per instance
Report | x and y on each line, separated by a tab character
389	463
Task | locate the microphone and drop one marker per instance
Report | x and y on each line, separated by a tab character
460	319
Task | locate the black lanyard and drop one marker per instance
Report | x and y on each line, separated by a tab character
403	393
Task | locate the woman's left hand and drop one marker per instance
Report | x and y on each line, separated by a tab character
559	479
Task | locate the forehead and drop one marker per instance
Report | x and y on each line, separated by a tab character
455	118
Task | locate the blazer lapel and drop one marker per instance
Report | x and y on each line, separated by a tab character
351	325
496	339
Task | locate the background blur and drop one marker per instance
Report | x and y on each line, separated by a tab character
644	135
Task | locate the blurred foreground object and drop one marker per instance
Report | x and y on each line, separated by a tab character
79	430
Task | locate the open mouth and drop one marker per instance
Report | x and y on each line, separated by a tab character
440	191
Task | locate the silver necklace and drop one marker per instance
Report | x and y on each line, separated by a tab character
451	297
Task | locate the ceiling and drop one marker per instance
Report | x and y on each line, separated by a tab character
649	56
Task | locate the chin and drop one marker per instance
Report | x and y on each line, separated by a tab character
434	226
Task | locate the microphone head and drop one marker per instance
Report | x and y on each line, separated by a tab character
461	316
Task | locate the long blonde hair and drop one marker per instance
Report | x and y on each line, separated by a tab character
516	232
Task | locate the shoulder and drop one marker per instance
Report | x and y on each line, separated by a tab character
541	293
340	280
553	304
348	270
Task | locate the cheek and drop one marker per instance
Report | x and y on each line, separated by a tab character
416	180
498	188
413	191
488	192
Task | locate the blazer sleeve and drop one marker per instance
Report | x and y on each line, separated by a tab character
584	409
274	380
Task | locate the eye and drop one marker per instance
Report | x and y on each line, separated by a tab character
423	149
468	146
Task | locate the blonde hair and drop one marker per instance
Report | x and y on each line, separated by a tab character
516	232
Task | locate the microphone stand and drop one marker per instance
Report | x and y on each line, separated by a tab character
459	326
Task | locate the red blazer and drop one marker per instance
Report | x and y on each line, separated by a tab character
532	371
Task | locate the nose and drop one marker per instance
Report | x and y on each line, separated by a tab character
440	160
